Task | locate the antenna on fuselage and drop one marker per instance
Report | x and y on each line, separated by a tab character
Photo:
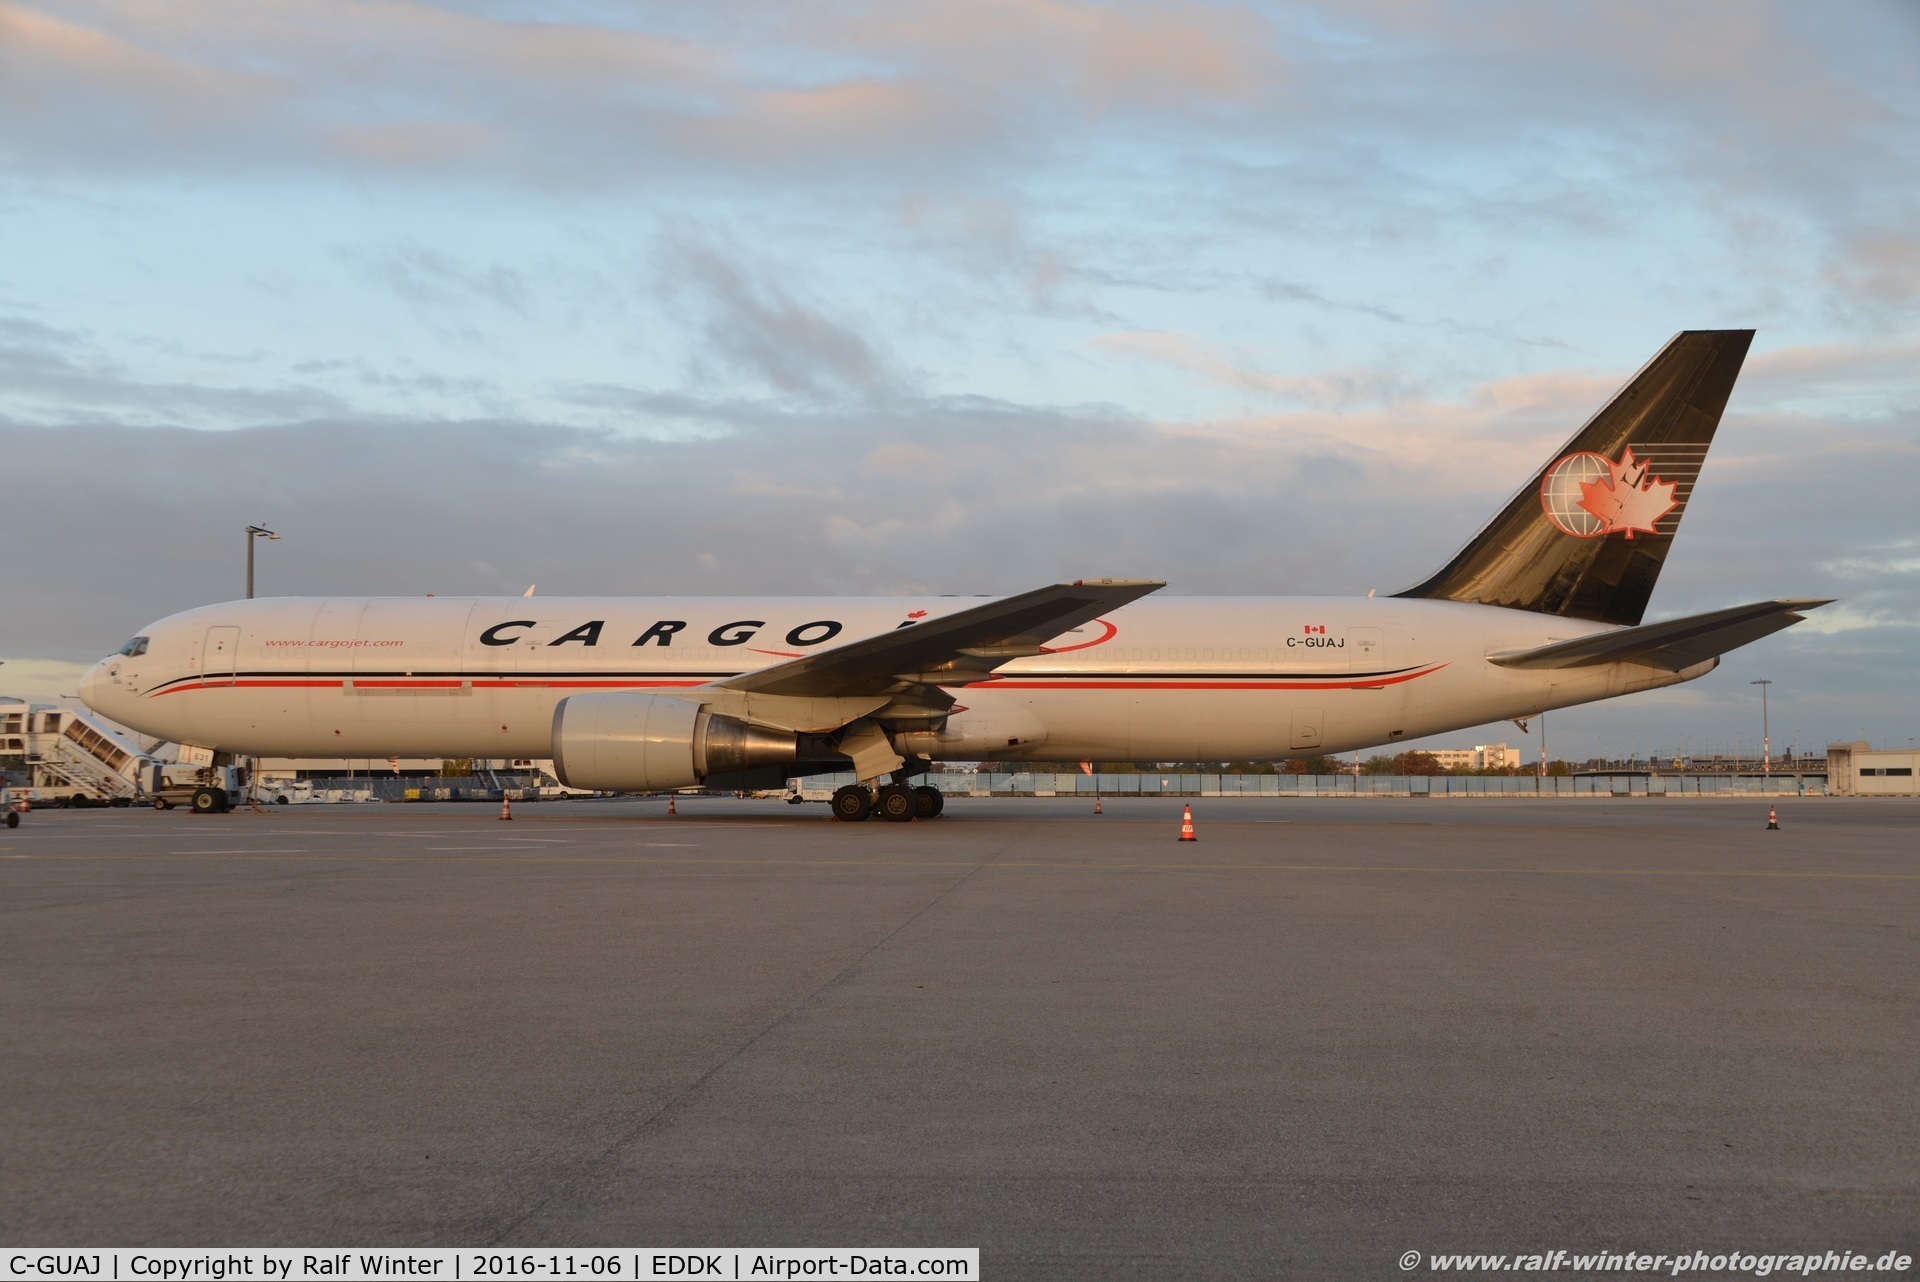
530	588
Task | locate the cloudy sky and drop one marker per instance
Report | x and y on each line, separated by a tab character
969	296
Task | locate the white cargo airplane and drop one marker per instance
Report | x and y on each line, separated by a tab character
1541	610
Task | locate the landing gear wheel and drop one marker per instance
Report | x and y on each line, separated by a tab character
928	802
13	819
208	801
161	803
852	804
896	803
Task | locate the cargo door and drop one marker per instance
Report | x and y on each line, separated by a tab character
218	655
1377	710
1307	726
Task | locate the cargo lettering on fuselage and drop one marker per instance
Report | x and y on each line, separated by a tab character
738	632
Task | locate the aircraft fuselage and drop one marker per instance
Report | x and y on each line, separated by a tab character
1164	678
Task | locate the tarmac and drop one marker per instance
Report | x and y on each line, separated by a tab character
1327	1033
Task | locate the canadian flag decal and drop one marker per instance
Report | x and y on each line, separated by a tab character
1312	629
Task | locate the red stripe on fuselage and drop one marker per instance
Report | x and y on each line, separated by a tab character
477	683
1023	683
630	683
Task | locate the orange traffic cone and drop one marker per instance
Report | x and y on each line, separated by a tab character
506	807
1186	825
670	809
1096	805
1773	820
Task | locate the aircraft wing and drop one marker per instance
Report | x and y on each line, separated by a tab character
1672	645
955	649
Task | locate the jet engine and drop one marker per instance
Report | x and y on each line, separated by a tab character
650	743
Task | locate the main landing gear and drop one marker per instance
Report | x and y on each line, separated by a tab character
895	802
852	803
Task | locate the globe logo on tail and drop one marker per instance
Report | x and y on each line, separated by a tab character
1588	495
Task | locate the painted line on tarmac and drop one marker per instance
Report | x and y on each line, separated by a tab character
170	853
1030	865
627	825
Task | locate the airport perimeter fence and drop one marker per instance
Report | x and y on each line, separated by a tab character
1080	784
818	787
521	787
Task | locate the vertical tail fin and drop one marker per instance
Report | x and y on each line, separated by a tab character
1587	536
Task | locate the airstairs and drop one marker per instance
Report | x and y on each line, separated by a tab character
68	753
68	767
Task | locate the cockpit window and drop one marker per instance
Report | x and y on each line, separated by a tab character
134	648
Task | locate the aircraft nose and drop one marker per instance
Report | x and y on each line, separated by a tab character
91	684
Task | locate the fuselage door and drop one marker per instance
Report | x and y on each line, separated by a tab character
1306	728
218	655
1365	650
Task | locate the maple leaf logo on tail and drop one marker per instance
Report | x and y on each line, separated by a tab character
1590	495
1629	498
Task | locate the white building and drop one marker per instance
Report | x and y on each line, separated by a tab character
1483	756
1857	770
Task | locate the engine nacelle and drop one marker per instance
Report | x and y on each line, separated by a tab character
651	743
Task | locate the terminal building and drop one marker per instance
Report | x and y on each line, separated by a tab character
1858	770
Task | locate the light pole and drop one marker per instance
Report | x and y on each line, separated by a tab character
1766	741
255	532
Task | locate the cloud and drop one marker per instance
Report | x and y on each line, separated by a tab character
398	86
756	327
988	239
53	374
1332	390
434	278
41	680
1878	272
1102	57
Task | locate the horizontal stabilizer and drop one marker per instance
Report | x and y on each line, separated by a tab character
1673	646
951	650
